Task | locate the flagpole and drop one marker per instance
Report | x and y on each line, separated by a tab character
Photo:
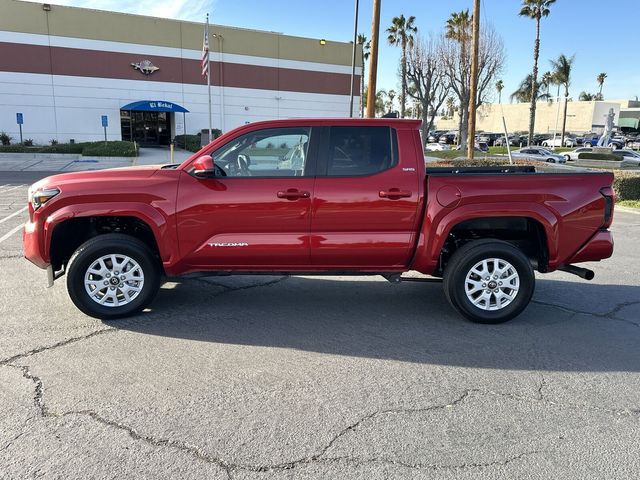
209	78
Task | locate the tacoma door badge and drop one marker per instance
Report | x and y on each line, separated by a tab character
231	244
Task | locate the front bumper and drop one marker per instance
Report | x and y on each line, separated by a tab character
31	245
598	248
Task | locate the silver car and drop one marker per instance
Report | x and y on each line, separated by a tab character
629	158
573	155
539	154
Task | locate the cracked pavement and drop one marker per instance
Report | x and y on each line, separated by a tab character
263	378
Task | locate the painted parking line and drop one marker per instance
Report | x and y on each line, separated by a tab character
2	220
12	188
11	232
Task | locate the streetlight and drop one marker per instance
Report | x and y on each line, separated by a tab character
353	57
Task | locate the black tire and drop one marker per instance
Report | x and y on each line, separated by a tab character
567	158
119	244
469	255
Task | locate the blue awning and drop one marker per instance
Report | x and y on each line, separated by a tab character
154	106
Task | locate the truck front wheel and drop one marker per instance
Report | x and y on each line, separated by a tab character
112	276
489	281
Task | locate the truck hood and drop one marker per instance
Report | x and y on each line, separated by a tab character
111	174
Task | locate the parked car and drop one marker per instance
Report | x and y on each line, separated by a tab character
434	136
349	203
573	155
634	143
538	138
514	141
449	138
629	158
488	138
436	147
614	142
539	154
555	142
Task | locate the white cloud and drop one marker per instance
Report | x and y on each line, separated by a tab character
193	10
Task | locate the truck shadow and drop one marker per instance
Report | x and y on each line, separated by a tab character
570	326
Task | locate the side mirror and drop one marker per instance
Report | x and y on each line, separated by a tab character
203	167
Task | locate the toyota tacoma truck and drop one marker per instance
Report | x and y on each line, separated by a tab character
318	196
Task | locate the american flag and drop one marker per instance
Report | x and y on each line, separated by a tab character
204	62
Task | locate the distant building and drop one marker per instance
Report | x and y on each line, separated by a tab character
582	117
64	68
630	116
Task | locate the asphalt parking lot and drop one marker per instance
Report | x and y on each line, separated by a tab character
318	378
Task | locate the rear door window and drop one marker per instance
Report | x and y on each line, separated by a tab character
360	151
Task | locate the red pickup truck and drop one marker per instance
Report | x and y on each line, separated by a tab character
321	196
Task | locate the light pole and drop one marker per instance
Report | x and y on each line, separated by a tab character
473	88
353	57
373	60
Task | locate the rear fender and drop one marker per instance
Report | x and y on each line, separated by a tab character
440	221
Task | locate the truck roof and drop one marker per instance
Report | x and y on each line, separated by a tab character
327	122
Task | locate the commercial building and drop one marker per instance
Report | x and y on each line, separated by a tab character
582	117
66	68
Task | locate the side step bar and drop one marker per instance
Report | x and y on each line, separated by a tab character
397	278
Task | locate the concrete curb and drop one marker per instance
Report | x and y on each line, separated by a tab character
635	211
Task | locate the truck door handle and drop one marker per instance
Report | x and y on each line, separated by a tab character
293	194
394	193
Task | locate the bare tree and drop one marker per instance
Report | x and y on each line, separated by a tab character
427	82
456	63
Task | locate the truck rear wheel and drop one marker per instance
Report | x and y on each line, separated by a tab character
489	281
112	276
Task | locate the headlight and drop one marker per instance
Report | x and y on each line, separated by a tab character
40	197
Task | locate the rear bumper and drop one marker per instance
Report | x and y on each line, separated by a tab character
31	245
598	248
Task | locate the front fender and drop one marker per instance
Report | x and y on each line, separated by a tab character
161	225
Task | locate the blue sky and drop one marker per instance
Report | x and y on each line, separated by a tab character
603	36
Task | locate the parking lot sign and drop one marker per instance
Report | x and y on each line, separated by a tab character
20	121
105	124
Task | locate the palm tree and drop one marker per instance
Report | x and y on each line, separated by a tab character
562	74
380	103
401	33
366	49
458	26
459	29
587	97
391	95
523	93
451	106
546	82
499	88
600	79
535	9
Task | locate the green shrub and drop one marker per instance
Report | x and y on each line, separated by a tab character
626	185
109	149
598	156
64	148
480	162
188	142
28	142
5	139
17	149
